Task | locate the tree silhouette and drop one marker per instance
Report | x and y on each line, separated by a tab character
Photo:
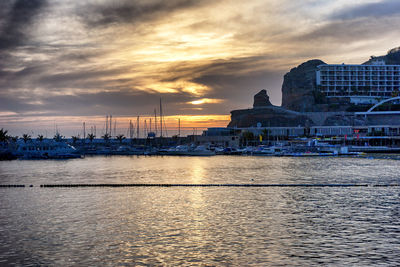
40	138
58	137
26	138
91	137
74	139
120	138
265	133
106	137
247	136
3	135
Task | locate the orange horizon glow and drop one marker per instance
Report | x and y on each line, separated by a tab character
73	125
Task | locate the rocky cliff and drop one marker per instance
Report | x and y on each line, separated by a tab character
391	58
266	114
271	116
299	92
299	87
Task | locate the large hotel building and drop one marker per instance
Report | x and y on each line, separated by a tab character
361	83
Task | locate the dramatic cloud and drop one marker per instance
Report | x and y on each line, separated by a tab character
15	21
384	8
131	11
69	61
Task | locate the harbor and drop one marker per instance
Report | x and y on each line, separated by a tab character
63	148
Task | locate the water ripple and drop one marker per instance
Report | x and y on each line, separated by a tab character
279	226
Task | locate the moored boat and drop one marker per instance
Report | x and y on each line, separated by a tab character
45	149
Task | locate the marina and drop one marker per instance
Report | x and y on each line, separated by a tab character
64	149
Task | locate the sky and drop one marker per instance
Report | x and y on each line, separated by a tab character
63	62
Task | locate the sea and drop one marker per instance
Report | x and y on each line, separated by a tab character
292	220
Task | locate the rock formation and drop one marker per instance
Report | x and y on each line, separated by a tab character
266	114
261	99
299	87
270	116
391	58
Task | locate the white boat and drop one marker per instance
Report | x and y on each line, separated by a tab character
184	150
268	151
228	151
374	149
45	149
200	151
176	151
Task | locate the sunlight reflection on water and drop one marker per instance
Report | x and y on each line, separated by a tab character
200	226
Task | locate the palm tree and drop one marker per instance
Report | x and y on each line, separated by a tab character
91	137
3	135
120	138
247	136
265	134
74	139
58	137
26	137
40	138
106	137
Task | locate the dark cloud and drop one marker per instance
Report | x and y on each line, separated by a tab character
16	22
363	22
380	9
45	76
18	105
348	31
238	90
131	11
87	79
235	80
237	66
123	103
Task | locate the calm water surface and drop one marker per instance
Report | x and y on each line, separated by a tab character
278	226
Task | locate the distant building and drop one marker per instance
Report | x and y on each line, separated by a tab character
363	84
219	136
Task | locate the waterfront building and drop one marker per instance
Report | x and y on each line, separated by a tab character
363	84
293	132
220	136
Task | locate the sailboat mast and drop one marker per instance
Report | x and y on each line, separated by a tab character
160	119
155	121
106	124
179	127
137	130
130	129
110	125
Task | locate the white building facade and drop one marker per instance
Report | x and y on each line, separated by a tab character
363	84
